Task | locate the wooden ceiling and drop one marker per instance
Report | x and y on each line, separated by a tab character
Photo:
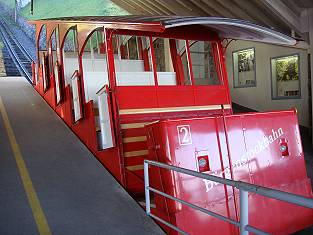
282	15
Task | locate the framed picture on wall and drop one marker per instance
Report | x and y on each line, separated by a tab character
285	76
244	68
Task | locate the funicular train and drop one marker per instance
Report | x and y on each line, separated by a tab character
134	88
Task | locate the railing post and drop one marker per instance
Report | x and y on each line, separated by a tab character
244	212
147	192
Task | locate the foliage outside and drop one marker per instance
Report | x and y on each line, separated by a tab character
287	68
61	8
246	60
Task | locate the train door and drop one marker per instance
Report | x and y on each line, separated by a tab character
72	73
55	64
96	87
105	119
42	58
76	97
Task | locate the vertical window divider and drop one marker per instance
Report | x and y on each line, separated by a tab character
189	63
153	62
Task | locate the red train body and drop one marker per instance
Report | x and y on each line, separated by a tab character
247	147
122	73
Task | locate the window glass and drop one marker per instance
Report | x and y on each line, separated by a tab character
244	68
133	49
42	44
52	52
70	55
182	52
285	77
129	47
204	62
133	63
70	43
163	60
57	38
42	39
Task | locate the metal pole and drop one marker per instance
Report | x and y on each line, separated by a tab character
147	192
32	7
15	11
244	212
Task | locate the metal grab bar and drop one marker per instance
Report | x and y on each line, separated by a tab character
244	189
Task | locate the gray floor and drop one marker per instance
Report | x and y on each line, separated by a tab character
77	194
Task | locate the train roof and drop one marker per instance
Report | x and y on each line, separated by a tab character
225	27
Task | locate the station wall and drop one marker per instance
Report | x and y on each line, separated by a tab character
260	97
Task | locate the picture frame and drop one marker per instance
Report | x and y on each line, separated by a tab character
285	77
244	68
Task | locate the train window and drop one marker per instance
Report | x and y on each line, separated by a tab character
57	38
134	64
106	134
182	62
95	74
204	62
129	47
76	98
70	55
163	59
43	39
44	64
52	51
42	45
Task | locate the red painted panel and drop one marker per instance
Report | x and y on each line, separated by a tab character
50	95
134	182
135	146
173	96
134	132
205	95
136	97
254	157
111	160
267	167
64	109
133	161
85	128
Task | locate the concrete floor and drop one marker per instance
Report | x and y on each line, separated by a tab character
77	195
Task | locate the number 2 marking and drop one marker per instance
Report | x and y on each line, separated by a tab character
184	135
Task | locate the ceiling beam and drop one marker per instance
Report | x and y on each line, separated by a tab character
285	13
259	16
292	5
191	8
204	7
141	7
173	7
128	7
147	6
219	8
237	11
160	7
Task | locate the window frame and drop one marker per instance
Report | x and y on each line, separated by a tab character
217	55
233	67
299	96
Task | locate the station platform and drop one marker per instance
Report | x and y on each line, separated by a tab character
49	182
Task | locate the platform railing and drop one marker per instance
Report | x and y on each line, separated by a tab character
244	189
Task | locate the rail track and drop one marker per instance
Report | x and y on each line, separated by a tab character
21	58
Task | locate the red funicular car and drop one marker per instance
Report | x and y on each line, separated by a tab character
135	88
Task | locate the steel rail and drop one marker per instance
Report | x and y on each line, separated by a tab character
20	46
7	38
244	189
